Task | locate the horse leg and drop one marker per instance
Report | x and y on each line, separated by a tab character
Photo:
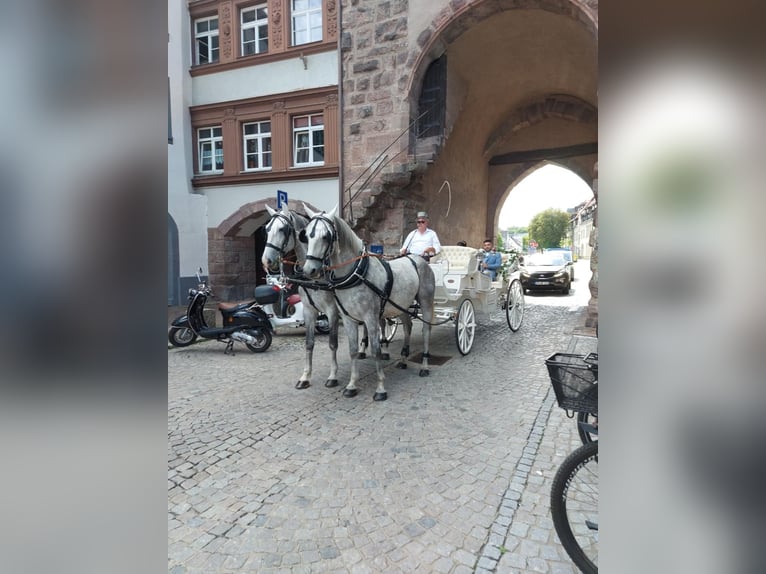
407	324
373	333
426	300
363	345
332	317
309	316
384	356
352	332
427	320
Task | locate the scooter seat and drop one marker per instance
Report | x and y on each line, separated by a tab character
229	306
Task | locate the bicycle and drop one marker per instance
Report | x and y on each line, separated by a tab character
574	492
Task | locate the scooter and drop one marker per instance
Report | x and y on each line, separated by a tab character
243	322
283	306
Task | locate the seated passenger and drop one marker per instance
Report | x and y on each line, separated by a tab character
492	260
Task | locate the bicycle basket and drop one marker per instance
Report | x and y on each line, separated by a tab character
574	382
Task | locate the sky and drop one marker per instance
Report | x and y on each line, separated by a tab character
549	186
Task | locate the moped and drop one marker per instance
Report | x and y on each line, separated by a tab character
243	322
283	306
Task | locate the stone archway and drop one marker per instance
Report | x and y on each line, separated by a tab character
234	250
506	66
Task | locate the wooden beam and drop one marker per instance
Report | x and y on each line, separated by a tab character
543	154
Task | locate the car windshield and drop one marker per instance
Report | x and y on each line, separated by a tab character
565	253
544	259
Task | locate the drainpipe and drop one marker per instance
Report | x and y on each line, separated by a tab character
340	107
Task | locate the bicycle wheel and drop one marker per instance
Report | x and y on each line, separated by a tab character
574	506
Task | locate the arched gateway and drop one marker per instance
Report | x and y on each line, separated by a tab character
475	94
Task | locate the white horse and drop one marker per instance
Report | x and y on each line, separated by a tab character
368	289
282	231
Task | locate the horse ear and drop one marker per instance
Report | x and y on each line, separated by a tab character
308	211
334	211
302	236
270	210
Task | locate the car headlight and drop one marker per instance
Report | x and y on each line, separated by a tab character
561	273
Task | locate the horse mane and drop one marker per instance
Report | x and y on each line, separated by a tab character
346	235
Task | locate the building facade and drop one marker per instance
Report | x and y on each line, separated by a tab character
254	108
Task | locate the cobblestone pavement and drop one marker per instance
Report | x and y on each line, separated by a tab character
450	475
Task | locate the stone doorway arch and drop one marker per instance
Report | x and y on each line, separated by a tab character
235	248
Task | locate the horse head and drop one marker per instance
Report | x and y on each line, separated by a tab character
279	237
320	237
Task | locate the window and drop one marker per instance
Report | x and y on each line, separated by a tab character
432	102
308	140
307	21
210	142
257	145
255	30
206	40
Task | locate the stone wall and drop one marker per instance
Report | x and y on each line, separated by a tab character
231	262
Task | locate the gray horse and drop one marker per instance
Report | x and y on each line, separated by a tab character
368	288
282	231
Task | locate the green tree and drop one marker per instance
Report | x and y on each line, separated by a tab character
549	227
499	243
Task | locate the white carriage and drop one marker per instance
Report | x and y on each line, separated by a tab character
463	292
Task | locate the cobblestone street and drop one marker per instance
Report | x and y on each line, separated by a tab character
450	475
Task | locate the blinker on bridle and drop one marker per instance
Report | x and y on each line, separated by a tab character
333	237
290	229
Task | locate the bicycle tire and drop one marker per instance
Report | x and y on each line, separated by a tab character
574	506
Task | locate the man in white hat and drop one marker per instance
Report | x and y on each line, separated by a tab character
422	240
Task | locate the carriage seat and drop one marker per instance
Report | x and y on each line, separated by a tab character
461	260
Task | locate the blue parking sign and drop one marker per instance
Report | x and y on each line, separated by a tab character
281	198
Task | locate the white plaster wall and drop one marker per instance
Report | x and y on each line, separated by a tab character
189	211
226	200
279	77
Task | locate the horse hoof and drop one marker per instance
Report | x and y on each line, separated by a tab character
385	356
380	396
350	392
331	383
361	356
302	384
401	365
423	372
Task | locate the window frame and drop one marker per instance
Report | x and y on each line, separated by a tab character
255	25
310	130
212	140
209	34
259	138
307	14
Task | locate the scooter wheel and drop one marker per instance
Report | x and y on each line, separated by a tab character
181	336
262	338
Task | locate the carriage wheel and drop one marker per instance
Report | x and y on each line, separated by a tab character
388	334
514	306
465	327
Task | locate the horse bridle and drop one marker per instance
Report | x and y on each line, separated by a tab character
291	230
333	238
